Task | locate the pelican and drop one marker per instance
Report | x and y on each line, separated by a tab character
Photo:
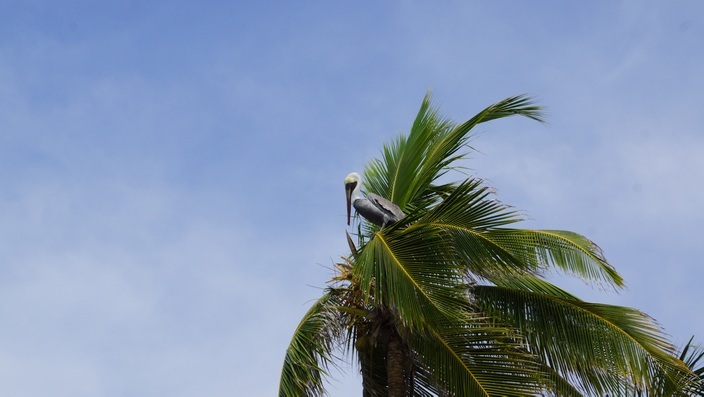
373	208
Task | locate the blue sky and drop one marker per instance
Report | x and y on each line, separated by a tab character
172	172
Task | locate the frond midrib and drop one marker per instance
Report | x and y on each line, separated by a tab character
459	360
613	326
408	275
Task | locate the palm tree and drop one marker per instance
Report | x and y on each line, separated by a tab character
450	301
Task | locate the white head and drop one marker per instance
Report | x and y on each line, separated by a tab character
353	184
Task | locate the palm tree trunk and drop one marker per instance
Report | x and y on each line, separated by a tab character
395	366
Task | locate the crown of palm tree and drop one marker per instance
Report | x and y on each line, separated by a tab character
451	301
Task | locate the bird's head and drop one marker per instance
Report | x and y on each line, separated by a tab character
352	182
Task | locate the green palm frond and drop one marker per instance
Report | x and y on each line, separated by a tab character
464	216
475	223
469	205
529	282
311	349
601	347
693	357
413	271
567	251
443	153
474	358
394	176
556	384
411	164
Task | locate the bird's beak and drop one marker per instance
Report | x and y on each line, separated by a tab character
348	192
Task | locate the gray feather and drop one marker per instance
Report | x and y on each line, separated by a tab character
378	210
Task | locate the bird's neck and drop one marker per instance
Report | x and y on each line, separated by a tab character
356	194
